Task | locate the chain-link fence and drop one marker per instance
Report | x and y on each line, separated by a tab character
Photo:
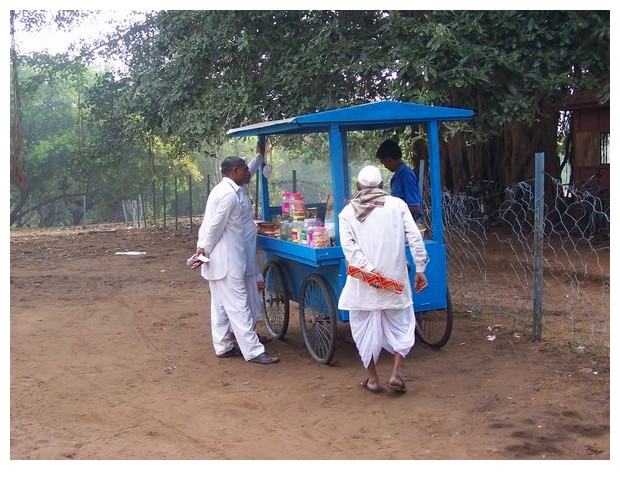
491	261
489	242
489	238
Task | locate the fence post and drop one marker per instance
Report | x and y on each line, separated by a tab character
165	199
191	210
539	192
176	202
154	205
142	207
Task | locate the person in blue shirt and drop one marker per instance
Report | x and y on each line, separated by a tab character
404	183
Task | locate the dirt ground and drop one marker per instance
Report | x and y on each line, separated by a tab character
111	358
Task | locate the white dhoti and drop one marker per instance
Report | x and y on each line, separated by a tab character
229	310
374	330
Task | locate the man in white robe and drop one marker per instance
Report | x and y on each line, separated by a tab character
374	228
222	238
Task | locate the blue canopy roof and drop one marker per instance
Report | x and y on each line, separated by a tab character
370	116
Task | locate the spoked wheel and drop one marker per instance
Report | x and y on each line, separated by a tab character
318	318
434	327
275	300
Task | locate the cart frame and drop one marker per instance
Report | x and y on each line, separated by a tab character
315	277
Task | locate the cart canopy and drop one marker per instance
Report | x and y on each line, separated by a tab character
371	116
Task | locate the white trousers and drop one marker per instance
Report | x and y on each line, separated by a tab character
230	310
375	330
255	299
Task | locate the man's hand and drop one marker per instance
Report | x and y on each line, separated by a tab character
419	282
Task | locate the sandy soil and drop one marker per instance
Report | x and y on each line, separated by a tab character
111	358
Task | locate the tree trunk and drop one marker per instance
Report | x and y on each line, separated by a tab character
503	160
17	162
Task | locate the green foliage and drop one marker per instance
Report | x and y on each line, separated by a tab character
212	70
193	74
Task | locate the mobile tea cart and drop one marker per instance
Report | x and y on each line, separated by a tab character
314	277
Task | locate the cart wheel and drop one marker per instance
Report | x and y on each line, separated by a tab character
434	327
318	318
275	300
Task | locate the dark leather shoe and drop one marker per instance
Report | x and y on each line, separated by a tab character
265	358
233	352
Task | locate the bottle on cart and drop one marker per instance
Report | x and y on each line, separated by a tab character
303	237
286	205
297	226
285	229
330	225
298	205
289	229
294	235
309	233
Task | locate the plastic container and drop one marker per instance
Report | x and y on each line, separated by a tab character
298	205
287	198
307	230
309	234
285	226
330	224
303	236
320	237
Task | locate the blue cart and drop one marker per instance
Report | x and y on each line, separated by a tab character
315	277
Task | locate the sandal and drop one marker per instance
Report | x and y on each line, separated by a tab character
398	387
376	389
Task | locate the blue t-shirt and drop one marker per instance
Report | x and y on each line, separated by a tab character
404	185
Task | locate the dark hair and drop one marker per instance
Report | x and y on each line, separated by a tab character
231	162
389	148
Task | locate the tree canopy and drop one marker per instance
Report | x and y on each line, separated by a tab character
191	75
202	72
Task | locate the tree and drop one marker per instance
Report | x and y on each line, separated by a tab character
73	135
29	20
202	72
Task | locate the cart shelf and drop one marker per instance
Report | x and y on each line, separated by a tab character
314	257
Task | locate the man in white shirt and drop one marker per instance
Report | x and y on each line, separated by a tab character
380	318
223	236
